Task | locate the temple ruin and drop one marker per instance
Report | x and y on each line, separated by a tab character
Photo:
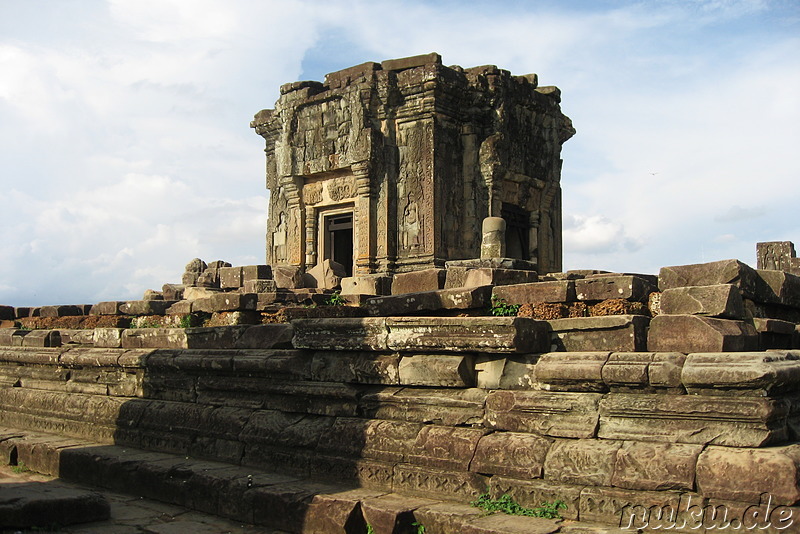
391	167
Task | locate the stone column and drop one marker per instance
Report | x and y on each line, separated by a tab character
311	237
493	238
363	223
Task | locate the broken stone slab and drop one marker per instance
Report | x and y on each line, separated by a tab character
341	334
419	281
182	307
774	333
440	370
534	293
449	407
42	338
145	307
572	371
701	419
61	311
585	461
327	274
492	263
340	511
773	471
656	466
511	454
517	371
481	334
367	284
220	337
721	300
618	333
356	367
225	301
757	374
731	272
785	286
597	288
652	372
172	291
549	413
695	333
260	286
427	301
288	276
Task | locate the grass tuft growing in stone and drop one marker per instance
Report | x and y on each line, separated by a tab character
507	505
500	308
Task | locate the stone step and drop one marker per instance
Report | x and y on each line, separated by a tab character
289	503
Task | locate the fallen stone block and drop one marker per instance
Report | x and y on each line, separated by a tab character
182	307
549	413
173	291
757	374
427	301
656	466
61	311
341	334
596	288
145	307
585	461
220	302
717	420
784	286
537	292
694	333
774	333
511	454
650	372
449	407
774	471
260	286
256	272
195	293
481	334
722	300
369	284
12	337
287	276
622	333
327	274
42	338
418	281
571	371
731	272
440	370
230	277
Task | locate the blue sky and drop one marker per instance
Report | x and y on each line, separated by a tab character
125	147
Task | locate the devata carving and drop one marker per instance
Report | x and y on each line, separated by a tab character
397	164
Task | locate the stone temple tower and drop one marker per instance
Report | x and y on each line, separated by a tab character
392	167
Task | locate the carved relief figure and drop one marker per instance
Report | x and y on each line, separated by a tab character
279	239
312	193
410	227
339	189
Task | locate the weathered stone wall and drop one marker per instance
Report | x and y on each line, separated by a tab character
420	153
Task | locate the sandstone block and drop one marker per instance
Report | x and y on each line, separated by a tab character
393	512
61	311
719	272
549	413
172	291
620	506
220	302
784	286
11	337
190	279
327	274
256	272
510	524
774	333
537	292
7	313
571	371
195	293
511	454
483	334
444	447
356	367
623	333
76	337
656	466
631	287
441	370
446	299
585	461
341	334
418	281
370	284
375	439
287	276
411	62
266	336
694	333
446	516
492	263
758	374
722	300
337	512
260	286
21	312
730	421
182	307
721	472
449	407
644	371
438	483
221	337
145	307
514	372
498	277
42	338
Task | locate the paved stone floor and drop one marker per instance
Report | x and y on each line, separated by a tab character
134	515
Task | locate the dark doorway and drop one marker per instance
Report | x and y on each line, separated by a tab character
518	229
339	240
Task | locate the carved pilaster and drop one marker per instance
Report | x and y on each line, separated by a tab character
363	214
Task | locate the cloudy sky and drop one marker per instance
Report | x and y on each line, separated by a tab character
125	147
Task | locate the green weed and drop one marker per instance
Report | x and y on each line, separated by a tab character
20	468
501	308
506	505
336	299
